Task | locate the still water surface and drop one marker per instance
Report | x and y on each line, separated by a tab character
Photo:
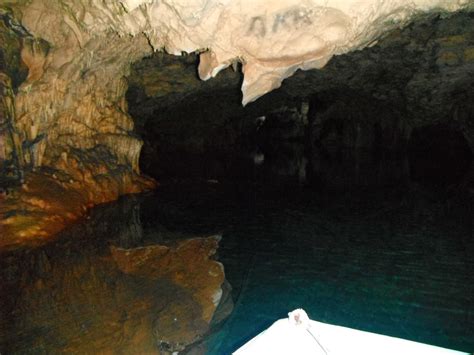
395	261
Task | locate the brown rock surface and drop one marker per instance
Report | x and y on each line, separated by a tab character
69	115
187	265
48	201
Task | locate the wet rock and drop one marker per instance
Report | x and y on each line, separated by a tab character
49	200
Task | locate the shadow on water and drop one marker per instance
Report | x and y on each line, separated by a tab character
395	261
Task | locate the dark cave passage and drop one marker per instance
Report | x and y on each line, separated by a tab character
330	140
357	141
439	155
362	121
208	135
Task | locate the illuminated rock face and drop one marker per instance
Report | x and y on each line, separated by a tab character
70	115
73	96
271	38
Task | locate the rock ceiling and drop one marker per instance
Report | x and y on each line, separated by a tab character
271	38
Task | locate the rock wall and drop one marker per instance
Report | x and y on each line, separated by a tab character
73	95
70	115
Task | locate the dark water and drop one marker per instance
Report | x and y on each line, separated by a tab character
395	261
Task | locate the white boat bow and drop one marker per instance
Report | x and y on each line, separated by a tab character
298	335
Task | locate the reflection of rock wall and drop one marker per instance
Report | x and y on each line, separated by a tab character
78	295
187	317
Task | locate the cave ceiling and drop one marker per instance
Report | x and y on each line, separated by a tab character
267	40
425	71
270	39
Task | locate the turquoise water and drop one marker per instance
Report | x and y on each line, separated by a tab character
395	261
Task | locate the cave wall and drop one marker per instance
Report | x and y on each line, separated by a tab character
375	99
70	111
12	73
73	95
70	129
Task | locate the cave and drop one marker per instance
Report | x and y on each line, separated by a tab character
177	176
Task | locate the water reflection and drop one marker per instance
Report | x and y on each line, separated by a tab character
396	261
109	285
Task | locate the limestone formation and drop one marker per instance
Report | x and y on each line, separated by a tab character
70	116
272	39
360	106
74	94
